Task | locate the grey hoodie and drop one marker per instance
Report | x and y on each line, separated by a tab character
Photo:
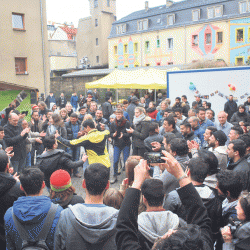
221	154
155	224
86	226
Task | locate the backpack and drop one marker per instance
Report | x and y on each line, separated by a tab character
38	243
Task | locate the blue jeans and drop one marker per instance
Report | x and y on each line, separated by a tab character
75	153
117	152
28	160
18	166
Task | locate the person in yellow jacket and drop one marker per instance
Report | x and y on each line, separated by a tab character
94	143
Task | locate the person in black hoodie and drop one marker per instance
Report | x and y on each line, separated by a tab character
241	117
121	140
195	236
9	192
53	159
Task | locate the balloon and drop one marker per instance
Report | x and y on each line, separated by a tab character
229	85
233	88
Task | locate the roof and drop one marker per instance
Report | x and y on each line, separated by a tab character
157	16
96	72
70	31
13	86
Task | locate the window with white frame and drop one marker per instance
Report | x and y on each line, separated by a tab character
171	19
243	6
210	12
170	43
142	24
196	15
121	29
18	21
218	11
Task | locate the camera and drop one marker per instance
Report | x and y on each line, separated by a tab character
153	157
233	225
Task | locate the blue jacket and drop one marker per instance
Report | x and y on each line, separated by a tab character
125	114
206	124
74	100
199	132
31	212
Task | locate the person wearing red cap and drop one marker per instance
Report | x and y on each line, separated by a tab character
62	192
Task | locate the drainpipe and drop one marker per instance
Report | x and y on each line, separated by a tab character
185	44
43	48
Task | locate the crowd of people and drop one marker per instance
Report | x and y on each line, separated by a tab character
187	174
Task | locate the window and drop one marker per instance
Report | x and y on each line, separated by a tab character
125	47
218	11
195	40
108	3
210	12
97	59
147	48
158	43
95	3
170	63
96	42
147	64
219	37
142	24
18	21
239	35
158	64
208	38
21	65
121	29
171	19
243	7
96	22
115	50
239	60
170	43
196	15
135	47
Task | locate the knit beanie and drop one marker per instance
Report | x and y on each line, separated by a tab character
60	180
220	136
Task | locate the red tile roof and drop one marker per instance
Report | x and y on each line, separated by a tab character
70	31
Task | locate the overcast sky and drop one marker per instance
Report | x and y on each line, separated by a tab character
72	10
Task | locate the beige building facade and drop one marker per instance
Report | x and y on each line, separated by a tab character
24	50
93	31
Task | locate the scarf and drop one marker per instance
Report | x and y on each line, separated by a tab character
121	122
150	110
138	119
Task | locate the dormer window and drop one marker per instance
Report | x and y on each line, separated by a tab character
216	11
171	19
142	24
243	7
196	15
121	29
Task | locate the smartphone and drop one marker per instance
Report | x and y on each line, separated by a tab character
153	157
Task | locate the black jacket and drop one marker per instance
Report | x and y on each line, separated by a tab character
69	129
120	127
230	107
238	117
243	167
60	102
141	132
152	138
12	137
190	136
127	226
107	109
53	160
9	192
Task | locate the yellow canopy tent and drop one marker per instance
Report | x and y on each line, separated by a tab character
133	79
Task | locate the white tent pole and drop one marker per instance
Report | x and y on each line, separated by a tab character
117	96
155	95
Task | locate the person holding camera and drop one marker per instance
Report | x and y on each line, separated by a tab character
238	236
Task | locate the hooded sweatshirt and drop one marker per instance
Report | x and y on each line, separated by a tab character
221	154
31	212
155	224
87	226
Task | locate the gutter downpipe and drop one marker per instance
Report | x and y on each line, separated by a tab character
43	48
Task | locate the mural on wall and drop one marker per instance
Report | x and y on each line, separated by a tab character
207	40
240	41
127	55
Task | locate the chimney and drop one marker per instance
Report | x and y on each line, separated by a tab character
146	6
169	3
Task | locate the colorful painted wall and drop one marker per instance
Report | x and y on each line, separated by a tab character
239	41
172	46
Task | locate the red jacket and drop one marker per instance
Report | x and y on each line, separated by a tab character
153	114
